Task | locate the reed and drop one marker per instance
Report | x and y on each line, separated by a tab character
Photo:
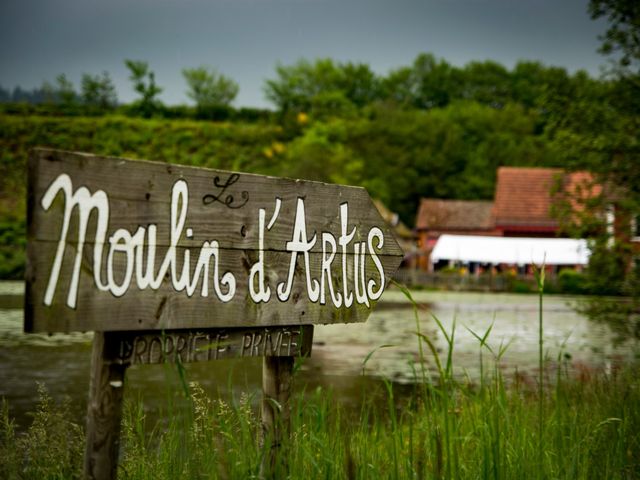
492	428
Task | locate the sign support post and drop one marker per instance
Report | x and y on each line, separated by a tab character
104	412
277	373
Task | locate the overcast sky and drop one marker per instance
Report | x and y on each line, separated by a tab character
245	39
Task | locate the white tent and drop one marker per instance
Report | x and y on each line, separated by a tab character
511	250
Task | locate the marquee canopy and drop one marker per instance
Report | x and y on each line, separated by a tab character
511	250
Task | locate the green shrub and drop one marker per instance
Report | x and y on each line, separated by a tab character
12	247
519	286
572	282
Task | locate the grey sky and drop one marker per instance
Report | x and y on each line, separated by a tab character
246	38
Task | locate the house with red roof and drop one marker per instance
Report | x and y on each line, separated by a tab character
523	202
525	199
524	206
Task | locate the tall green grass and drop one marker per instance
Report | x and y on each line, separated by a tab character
492	428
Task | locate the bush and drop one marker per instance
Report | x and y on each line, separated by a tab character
12	248
572	282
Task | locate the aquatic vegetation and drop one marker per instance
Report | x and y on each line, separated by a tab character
552	424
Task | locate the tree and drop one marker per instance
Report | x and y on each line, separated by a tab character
65	93
399	87
428	83
208	88
98	91
436	82
46	94
298	84
623	35
298	87
61	93
618	146
487	82
359	83
596	129
320	154
144	82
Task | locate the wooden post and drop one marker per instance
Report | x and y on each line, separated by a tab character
277	375
104	412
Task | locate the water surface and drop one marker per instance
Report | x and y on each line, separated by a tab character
61	361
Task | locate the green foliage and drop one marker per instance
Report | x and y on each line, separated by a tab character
593	125
298	87
320	154
452	152
60	95
65	92
400	156
233	146
547	426
144	82
98	91
12	247
51	448
572	282
208	88
9	450
516	285
426	84
606	271
621	36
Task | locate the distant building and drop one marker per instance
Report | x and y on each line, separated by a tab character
525	200
459	217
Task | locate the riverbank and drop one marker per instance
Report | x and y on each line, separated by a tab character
565	282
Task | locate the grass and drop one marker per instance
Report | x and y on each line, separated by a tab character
561	427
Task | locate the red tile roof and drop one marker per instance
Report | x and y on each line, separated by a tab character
524	196
435	214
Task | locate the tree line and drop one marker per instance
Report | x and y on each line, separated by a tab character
322	87
211	91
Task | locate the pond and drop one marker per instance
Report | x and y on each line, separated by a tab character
342	358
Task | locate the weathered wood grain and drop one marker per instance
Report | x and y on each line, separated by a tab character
104	413
277	379
223	207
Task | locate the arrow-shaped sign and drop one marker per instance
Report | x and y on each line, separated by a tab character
119	244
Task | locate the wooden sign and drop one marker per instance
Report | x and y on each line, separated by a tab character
123	245
169	263
186	346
